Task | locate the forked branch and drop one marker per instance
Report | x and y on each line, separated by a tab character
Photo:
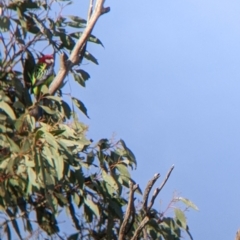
146	208
66	65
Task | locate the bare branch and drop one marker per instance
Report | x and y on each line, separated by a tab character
145	202
238	235
157	191
129	211
140	228
74	57
148	189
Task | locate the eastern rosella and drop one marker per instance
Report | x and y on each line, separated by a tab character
43	73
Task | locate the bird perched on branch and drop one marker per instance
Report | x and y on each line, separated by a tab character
43	73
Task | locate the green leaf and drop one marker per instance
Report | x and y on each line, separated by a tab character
76	198
4	23
67	109
88	214
73	215
77	19
54	98
123	170
59	164
31	123
8	231
51	140
7	109
74	236
14	223
46	153
39	134
129	153
90	158
116	207
92	38
57	132
180	218
13	146
80	105
188	203
61	198
32	177
78	174
82	77
3	129
109	180
47	110
90	57
44	89
67	41
19	36
77	78
75	24
92	206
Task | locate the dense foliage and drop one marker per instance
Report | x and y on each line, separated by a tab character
47	164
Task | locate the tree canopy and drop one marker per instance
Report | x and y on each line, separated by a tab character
47	164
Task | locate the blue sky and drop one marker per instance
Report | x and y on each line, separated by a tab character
168	83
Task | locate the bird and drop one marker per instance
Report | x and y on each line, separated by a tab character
43	74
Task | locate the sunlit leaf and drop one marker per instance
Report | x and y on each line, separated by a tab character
123	170
187	202
47	109
180	218
92	206
109	180
7	109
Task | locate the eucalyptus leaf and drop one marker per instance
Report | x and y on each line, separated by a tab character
188	203
180	218
92	206
7	109
4	23
80	105
90	57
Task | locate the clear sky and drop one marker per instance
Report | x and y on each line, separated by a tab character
168	83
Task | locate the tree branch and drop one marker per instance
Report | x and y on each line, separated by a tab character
140	228
157	190
129	211
148	189
147	210
238	235
74	57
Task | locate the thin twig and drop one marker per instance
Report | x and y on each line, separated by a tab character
157	191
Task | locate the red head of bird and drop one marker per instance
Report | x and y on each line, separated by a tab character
47	59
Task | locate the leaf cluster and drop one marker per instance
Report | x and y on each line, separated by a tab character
47	163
